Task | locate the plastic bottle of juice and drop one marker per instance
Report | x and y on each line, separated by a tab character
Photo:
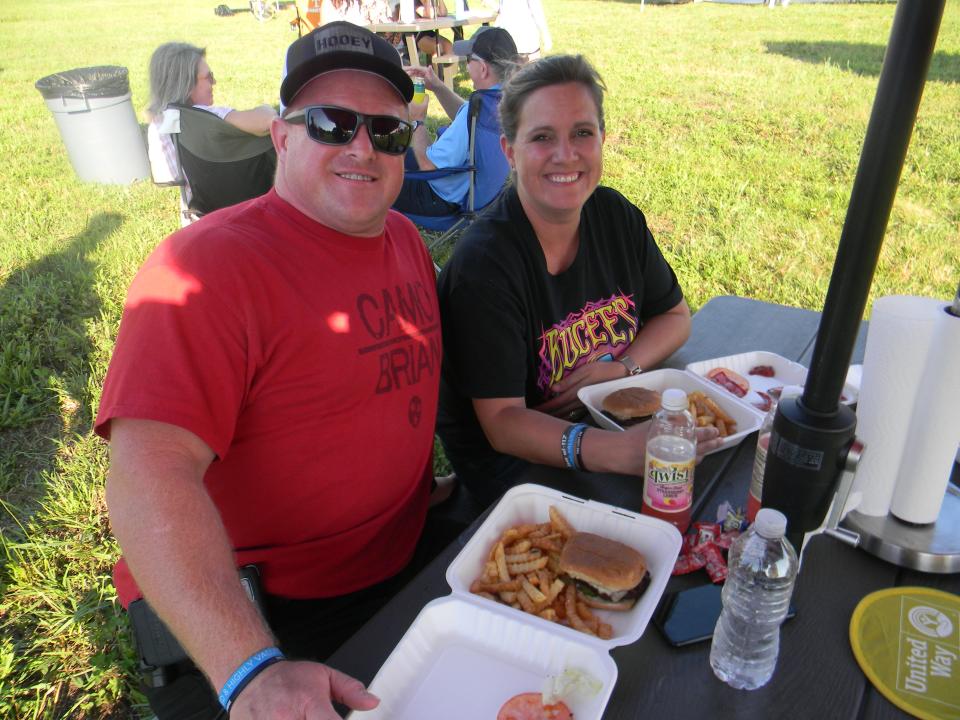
763	442
671	456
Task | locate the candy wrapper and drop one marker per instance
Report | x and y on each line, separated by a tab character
731	518
704	547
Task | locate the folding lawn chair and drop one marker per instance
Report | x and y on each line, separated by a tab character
486	164
222	164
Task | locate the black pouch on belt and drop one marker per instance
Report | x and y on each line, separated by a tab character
157	646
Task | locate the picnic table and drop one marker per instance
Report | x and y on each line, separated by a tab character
817	675
409	32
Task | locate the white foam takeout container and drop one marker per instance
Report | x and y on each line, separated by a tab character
464	656
747	417
786	372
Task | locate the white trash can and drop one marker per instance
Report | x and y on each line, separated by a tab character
95	118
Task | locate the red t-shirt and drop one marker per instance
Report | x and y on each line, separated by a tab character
309	361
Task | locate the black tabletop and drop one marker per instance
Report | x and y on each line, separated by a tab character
816	676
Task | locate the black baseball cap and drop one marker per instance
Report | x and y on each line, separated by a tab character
489	44
342	45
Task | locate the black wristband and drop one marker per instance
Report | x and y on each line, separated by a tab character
577	456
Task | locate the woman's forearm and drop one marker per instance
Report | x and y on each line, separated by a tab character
661	336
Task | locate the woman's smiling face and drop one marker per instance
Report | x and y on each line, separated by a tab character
558	151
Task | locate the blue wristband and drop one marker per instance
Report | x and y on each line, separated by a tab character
251	667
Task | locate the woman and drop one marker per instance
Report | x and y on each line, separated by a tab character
558	285
179	75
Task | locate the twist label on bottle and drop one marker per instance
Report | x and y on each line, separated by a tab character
668	486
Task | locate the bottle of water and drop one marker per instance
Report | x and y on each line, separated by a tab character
762	569
671	456
763	441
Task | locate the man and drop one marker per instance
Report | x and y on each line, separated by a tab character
491	54
271	402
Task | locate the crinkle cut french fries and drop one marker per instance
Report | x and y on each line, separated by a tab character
522	571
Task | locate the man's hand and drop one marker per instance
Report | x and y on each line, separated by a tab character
300	691
418	110
426	73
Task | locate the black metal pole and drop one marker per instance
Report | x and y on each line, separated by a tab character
812	434
912	40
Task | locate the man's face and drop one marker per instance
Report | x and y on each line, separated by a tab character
349	187
475	70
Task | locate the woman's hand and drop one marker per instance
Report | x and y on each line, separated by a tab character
708	440
626	452
565	402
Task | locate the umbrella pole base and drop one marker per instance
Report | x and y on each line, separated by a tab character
933	548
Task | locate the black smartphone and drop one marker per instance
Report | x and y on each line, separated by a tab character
690	616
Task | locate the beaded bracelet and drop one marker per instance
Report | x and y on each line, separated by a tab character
243	675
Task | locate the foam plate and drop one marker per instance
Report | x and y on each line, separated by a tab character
748	418
462	660
657	541
786	372
464	656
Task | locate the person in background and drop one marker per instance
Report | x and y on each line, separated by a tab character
527	25
557	285
427	40
179	74
492	56
270	403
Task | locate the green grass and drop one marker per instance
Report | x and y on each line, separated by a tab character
736	129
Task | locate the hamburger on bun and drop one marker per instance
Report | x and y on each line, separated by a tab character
632	403
607	574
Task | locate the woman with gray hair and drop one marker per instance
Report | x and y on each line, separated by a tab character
179	74
557	285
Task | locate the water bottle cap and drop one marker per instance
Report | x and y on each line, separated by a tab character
770	523
674	399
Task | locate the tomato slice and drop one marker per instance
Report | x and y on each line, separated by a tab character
529	706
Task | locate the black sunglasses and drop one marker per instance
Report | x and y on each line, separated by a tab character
332	125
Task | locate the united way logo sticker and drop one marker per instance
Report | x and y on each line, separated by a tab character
930	621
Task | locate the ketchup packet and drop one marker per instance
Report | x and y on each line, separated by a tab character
726	539
688	563
715	564
706	532
703	547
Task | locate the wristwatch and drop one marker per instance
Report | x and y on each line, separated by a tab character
629	363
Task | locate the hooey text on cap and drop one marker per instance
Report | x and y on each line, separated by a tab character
343	41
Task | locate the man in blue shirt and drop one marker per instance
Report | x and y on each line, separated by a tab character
491	55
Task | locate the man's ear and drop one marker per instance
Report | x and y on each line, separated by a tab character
279	132
487	70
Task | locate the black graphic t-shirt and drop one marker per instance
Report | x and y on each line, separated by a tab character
511	329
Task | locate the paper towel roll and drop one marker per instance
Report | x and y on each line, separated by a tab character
934	431
901	328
